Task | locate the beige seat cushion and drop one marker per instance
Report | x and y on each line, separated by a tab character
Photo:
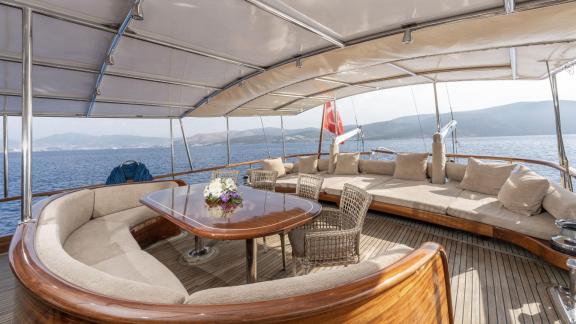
140	266
417	194
296	286
486	178
287	181
112	199
131	217
53	256
274	165
560	202
334	184
347	163
376	167
70	212
98	240
308	164
323	165
410	166
487	209
523	192
455	171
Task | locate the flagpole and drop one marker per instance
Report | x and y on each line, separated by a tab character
335	118
321	131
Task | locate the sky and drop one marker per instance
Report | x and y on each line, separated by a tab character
370	107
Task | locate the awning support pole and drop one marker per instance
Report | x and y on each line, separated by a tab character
186	145
26	188
565	178
438	126
172	147
228	152
5	147
283	139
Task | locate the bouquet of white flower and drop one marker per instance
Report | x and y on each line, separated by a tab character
222	191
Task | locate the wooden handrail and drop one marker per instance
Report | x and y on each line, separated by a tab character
498	158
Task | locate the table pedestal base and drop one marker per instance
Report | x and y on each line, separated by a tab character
200	254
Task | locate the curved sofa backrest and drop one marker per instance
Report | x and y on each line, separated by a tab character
68	212
296	286
113	199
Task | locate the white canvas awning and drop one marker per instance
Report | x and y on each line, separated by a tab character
267	57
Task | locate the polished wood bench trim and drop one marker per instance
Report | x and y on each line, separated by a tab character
416	287
541	248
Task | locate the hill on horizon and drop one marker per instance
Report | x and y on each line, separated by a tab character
517	119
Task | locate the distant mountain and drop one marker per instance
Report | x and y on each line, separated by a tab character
75	141
523	118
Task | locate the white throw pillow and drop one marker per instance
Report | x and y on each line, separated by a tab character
486	178
274	165
523	192
347	163
308	164
411	166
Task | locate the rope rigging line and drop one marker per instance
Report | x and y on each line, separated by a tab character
265	137
361	134
454	135
419	121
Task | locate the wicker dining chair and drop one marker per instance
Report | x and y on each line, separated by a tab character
308	186
226	174
333	238
263	180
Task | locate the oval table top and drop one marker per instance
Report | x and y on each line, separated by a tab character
261	212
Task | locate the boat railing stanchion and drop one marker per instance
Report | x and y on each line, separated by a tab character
172	147
564	299
565	177
5	147
283	139
228	153
27	116
186	145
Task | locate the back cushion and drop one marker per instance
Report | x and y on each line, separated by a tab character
308	164
347	163
323	165
69	212
274	165
560	202
376	167
411	166
486	178
455	171
113	199
523	192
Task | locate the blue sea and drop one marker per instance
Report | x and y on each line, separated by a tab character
65	169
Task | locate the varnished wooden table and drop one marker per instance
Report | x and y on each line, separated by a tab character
262	213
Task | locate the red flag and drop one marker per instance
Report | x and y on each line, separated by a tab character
328	123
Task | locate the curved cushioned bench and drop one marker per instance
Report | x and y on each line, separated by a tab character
448	205
78	261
